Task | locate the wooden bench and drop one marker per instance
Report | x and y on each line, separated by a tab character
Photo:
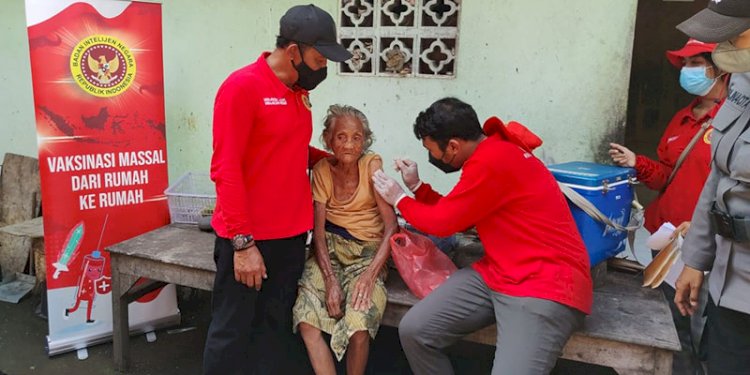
630	329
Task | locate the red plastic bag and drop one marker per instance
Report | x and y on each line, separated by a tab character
422	266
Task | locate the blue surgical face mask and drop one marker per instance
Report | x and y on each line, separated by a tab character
695	81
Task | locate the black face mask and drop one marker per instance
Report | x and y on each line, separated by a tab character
308	79
441	165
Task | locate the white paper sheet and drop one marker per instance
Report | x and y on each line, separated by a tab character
660	238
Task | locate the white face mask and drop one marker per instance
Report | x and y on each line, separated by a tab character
731	59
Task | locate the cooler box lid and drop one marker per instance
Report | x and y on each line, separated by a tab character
589	174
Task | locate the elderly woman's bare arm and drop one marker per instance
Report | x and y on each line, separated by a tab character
334	294
363	289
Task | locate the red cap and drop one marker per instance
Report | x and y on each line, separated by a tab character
513	132
692	47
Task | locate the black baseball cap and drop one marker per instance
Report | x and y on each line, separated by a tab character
721	21
313	26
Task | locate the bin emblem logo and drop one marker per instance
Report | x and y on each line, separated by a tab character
102	66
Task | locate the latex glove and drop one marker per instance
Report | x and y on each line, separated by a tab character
688	287
388	188
409	172
621	155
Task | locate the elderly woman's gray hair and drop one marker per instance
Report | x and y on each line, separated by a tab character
338	110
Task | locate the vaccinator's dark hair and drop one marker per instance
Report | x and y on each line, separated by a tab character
448	118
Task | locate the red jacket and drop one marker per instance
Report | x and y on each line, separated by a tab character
261	136
532	247
677	202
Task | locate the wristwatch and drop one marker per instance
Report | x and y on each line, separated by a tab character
241	242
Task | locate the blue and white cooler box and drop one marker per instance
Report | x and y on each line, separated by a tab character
610	190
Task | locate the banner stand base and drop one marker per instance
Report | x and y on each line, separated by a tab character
82	354
56	346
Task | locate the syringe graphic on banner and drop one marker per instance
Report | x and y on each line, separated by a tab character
91	281
71	245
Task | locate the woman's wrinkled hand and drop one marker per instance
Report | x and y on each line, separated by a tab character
621	155
334	298
362	293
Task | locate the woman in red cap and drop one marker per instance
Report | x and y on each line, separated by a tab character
683	166
679	193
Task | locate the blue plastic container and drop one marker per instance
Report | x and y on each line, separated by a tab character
608	188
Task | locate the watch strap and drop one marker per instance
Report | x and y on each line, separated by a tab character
242	242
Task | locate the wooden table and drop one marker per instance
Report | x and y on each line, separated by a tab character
176	254
630	328
19	243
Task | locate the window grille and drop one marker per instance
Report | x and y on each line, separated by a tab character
400	38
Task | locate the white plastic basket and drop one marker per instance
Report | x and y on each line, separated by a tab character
190	197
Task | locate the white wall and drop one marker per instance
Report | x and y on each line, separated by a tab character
560	67
17	129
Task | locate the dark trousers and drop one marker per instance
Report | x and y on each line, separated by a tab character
688	360
728	333
531	332
251	331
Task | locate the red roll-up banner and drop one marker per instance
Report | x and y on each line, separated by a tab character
98	84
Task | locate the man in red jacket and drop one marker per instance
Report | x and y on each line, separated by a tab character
534	281
262	129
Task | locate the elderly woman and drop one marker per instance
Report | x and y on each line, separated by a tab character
342	290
